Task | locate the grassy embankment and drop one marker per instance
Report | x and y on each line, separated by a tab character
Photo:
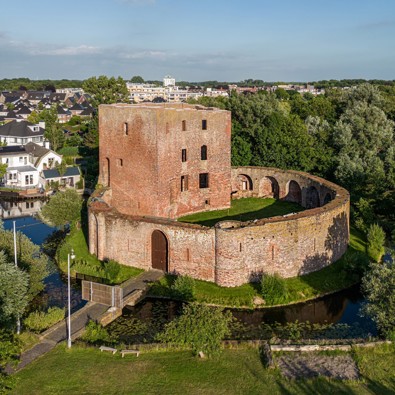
239	371
330	279
88	264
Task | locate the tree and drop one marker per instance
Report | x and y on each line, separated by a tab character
106	90
364	143
9	352
200	327
54	134
376	240
14	284
29	259
379	287
63	208
136	79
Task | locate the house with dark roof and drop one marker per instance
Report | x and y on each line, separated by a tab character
43	158
63	115
68	179
21	132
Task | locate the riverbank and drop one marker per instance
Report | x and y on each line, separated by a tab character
235	371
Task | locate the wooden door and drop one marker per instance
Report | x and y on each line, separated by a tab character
159	251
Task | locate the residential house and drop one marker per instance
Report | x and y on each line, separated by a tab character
68	179
42	158
20	171
21	132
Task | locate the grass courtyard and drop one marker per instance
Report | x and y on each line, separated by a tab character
82	370
245	209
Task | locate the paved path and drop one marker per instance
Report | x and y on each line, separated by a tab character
58	333
91	311
141	282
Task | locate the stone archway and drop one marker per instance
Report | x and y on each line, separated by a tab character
269	187
312	197
244	183
159	251
294	192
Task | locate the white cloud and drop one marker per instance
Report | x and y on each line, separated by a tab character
146	54
68	51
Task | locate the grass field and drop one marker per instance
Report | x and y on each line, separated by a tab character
245	209
82	370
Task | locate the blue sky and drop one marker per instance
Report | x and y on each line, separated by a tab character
197	40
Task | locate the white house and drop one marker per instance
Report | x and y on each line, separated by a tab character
20	172
21	132
42	158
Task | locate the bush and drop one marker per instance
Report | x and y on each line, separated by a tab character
274	289
97	334
38	321
378	285
356	264
111	270
183	288
376	240
200	328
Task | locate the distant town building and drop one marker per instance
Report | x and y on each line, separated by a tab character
169	81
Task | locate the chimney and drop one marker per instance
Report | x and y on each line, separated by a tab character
41	124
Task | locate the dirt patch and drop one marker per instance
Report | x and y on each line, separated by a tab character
340	367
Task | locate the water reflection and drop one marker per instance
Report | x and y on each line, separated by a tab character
55	292
340	308
20	208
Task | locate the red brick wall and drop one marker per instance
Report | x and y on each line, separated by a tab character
145	164
234	253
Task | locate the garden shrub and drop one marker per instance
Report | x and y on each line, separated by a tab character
183	288
274	289
38	321
111	270
200	327
97	334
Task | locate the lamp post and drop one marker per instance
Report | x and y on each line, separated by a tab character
72	256
18	320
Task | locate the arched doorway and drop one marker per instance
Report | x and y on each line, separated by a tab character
269	187
312	197
294	192
159	251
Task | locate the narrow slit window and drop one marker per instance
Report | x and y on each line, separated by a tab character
204	124
184	155
184	126
203	180
203	152
126	128
120	162
184	183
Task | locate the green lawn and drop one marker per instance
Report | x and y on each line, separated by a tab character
88	264
82	370
245	209
330	279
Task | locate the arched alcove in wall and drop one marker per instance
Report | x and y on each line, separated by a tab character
312	197
244	182
269	187
294	192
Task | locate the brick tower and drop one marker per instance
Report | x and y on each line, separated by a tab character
165	160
